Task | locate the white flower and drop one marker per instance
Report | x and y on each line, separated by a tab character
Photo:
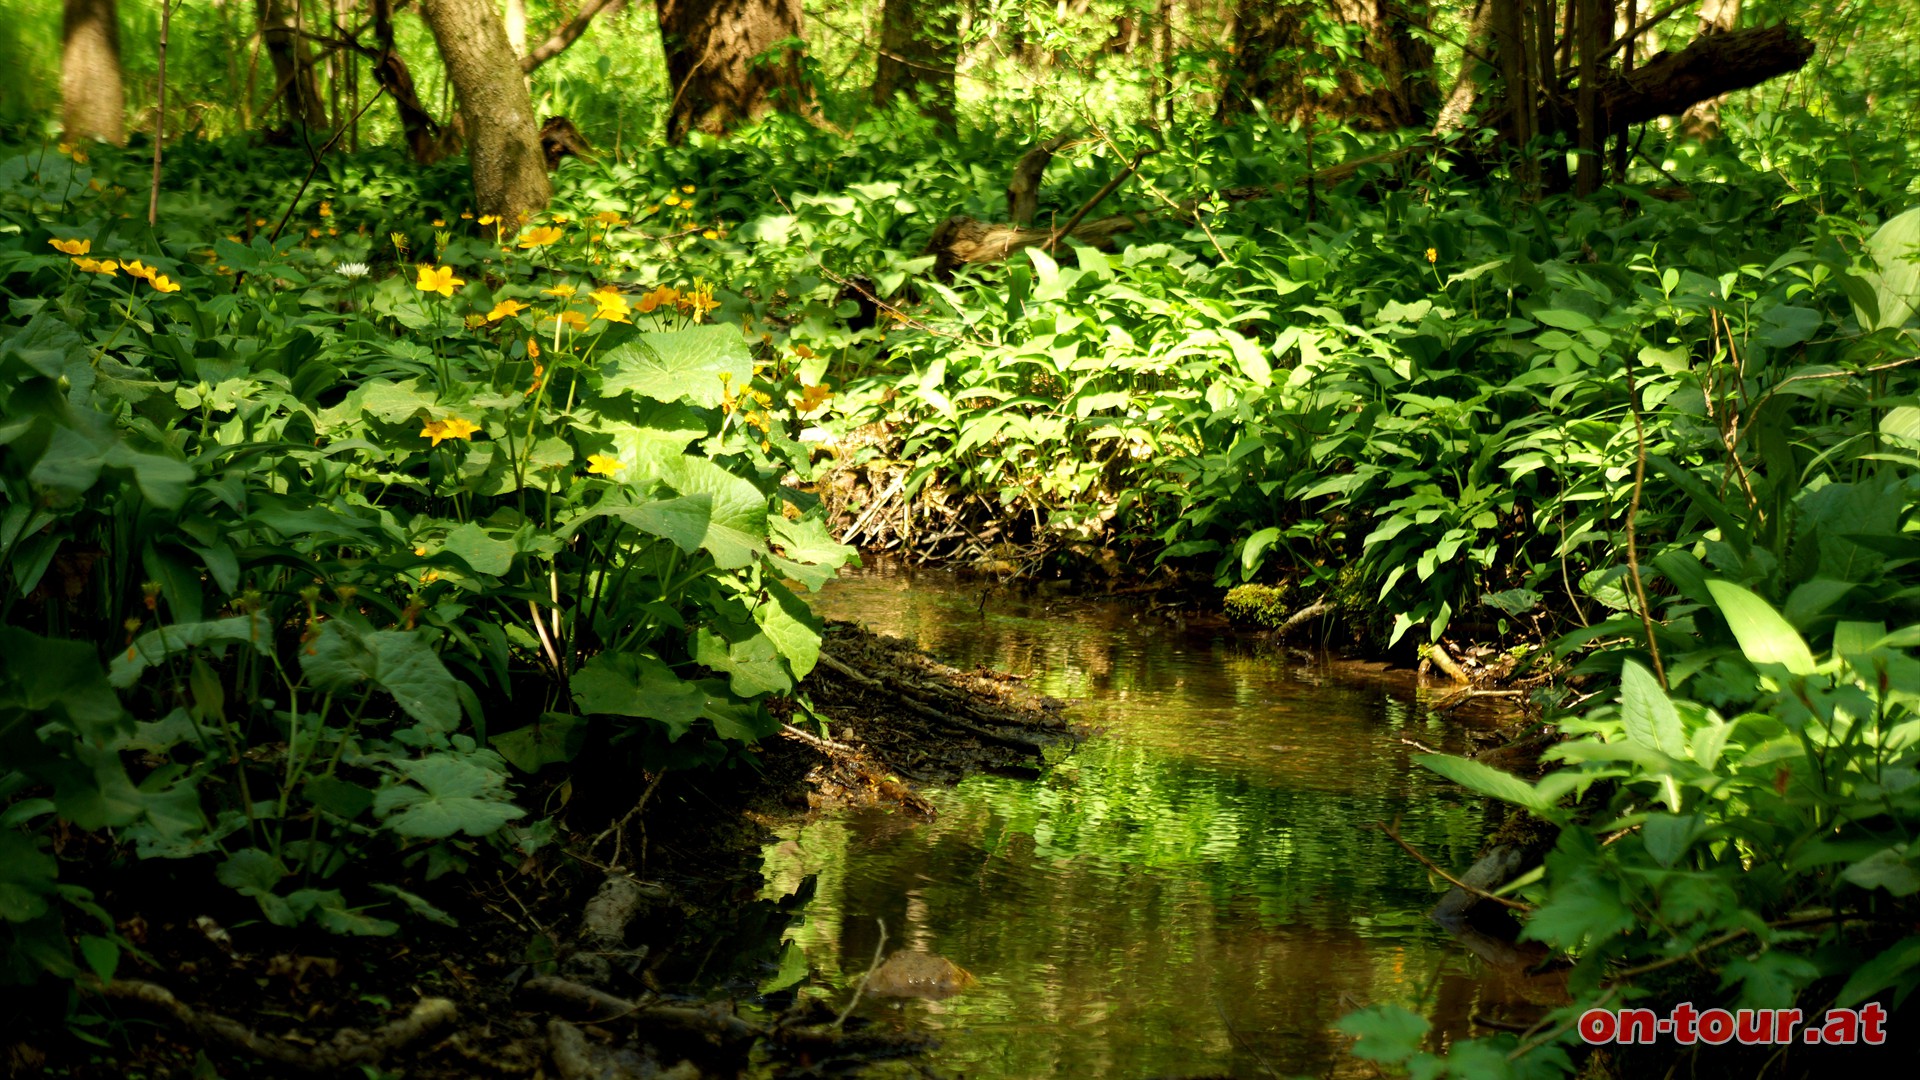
352	270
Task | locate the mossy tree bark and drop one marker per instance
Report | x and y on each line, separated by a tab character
919	47
292	60
718	67
92	102
509	167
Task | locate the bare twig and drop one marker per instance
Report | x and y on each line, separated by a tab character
428	1016
1393	834
1111	186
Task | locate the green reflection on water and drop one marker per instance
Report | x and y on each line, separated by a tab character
1195	891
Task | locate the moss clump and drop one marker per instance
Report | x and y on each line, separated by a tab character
1261	605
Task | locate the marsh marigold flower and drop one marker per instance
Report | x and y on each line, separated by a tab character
671	200
439	280
163	283
505	309
611	306
659	296
452	427
1433	255
540	237
138	269
562	290
610	219
71	247
97	266
603	464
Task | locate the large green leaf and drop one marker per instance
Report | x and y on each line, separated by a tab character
1484	779
752	664
811	554
736	526
1650	718
1764	636
1895	247
792	626
554	739
155	646
453	795
669	365
632	684
400	662
482	551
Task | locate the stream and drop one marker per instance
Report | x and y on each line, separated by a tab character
1196	890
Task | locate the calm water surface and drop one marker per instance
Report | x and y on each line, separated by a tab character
1195	891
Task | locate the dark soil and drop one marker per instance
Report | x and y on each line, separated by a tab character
632	945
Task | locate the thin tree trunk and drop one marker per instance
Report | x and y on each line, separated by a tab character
292	62
509	167
92	102
712	47
918	51
1592	126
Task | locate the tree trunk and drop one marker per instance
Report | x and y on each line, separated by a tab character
1276	60
919	47
92	104
509	167
517	26
711	48
292	62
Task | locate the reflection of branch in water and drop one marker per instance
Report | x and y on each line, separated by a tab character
1244	1044
878	947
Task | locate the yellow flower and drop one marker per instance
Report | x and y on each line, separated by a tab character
1433	255
699	301
489	219
326	209
812	397
259	223
562	290
72	247
162	283
603	465
138	269
571	318
688	189
711	235
97	266
540	237
439	223
659	296
559	219
505	309
611	306
803	352
671	200
451	428
610	219
533	350
399	241
314	232
441	281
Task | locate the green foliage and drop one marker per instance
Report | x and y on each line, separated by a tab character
281	534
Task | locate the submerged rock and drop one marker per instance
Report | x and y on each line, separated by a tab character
918	975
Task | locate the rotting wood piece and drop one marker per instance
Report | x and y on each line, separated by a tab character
349	1048
1023	189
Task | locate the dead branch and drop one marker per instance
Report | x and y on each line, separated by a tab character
1023	189
1714	64
349	1048
567	34
1393	833
1314	610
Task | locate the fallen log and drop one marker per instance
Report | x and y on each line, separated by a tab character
1714	64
